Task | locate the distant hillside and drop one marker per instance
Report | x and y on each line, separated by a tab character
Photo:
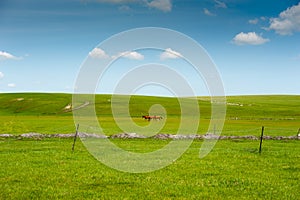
33	103
264	107
268	106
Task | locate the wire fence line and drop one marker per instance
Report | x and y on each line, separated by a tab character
242	131
269	130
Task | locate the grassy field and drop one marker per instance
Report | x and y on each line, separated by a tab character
47	169
44	113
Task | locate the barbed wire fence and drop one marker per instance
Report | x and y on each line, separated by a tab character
270	131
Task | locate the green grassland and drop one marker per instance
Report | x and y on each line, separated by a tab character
44	113
47	168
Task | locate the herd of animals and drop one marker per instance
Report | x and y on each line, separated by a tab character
147	117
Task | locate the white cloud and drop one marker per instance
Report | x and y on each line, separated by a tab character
250	38
101	54
133	55
287	22
98	53
170	54
7	56
220	4
253	21
207	12
11	85
1	75
163	5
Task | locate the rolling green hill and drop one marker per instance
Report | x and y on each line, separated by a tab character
33	103
49	113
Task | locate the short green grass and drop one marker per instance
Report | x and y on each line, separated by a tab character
43	113
48	169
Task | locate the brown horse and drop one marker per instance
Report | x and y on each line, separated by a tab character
147	117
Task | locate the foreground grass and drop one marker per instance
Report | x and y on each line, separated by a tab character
47	169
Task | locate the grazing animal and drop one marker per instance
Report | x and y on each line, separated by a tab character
147	117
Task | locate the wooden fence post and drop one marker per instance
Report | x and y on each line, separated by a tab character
75	137
261	138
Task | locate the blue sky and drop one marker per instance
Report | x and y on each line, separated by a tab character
254	43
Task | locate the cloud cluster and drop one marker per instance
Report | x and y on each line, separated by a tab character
163	5
1	75
287	22
250	38
133	55
101	54
170	54
98	53
7	56
218	4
